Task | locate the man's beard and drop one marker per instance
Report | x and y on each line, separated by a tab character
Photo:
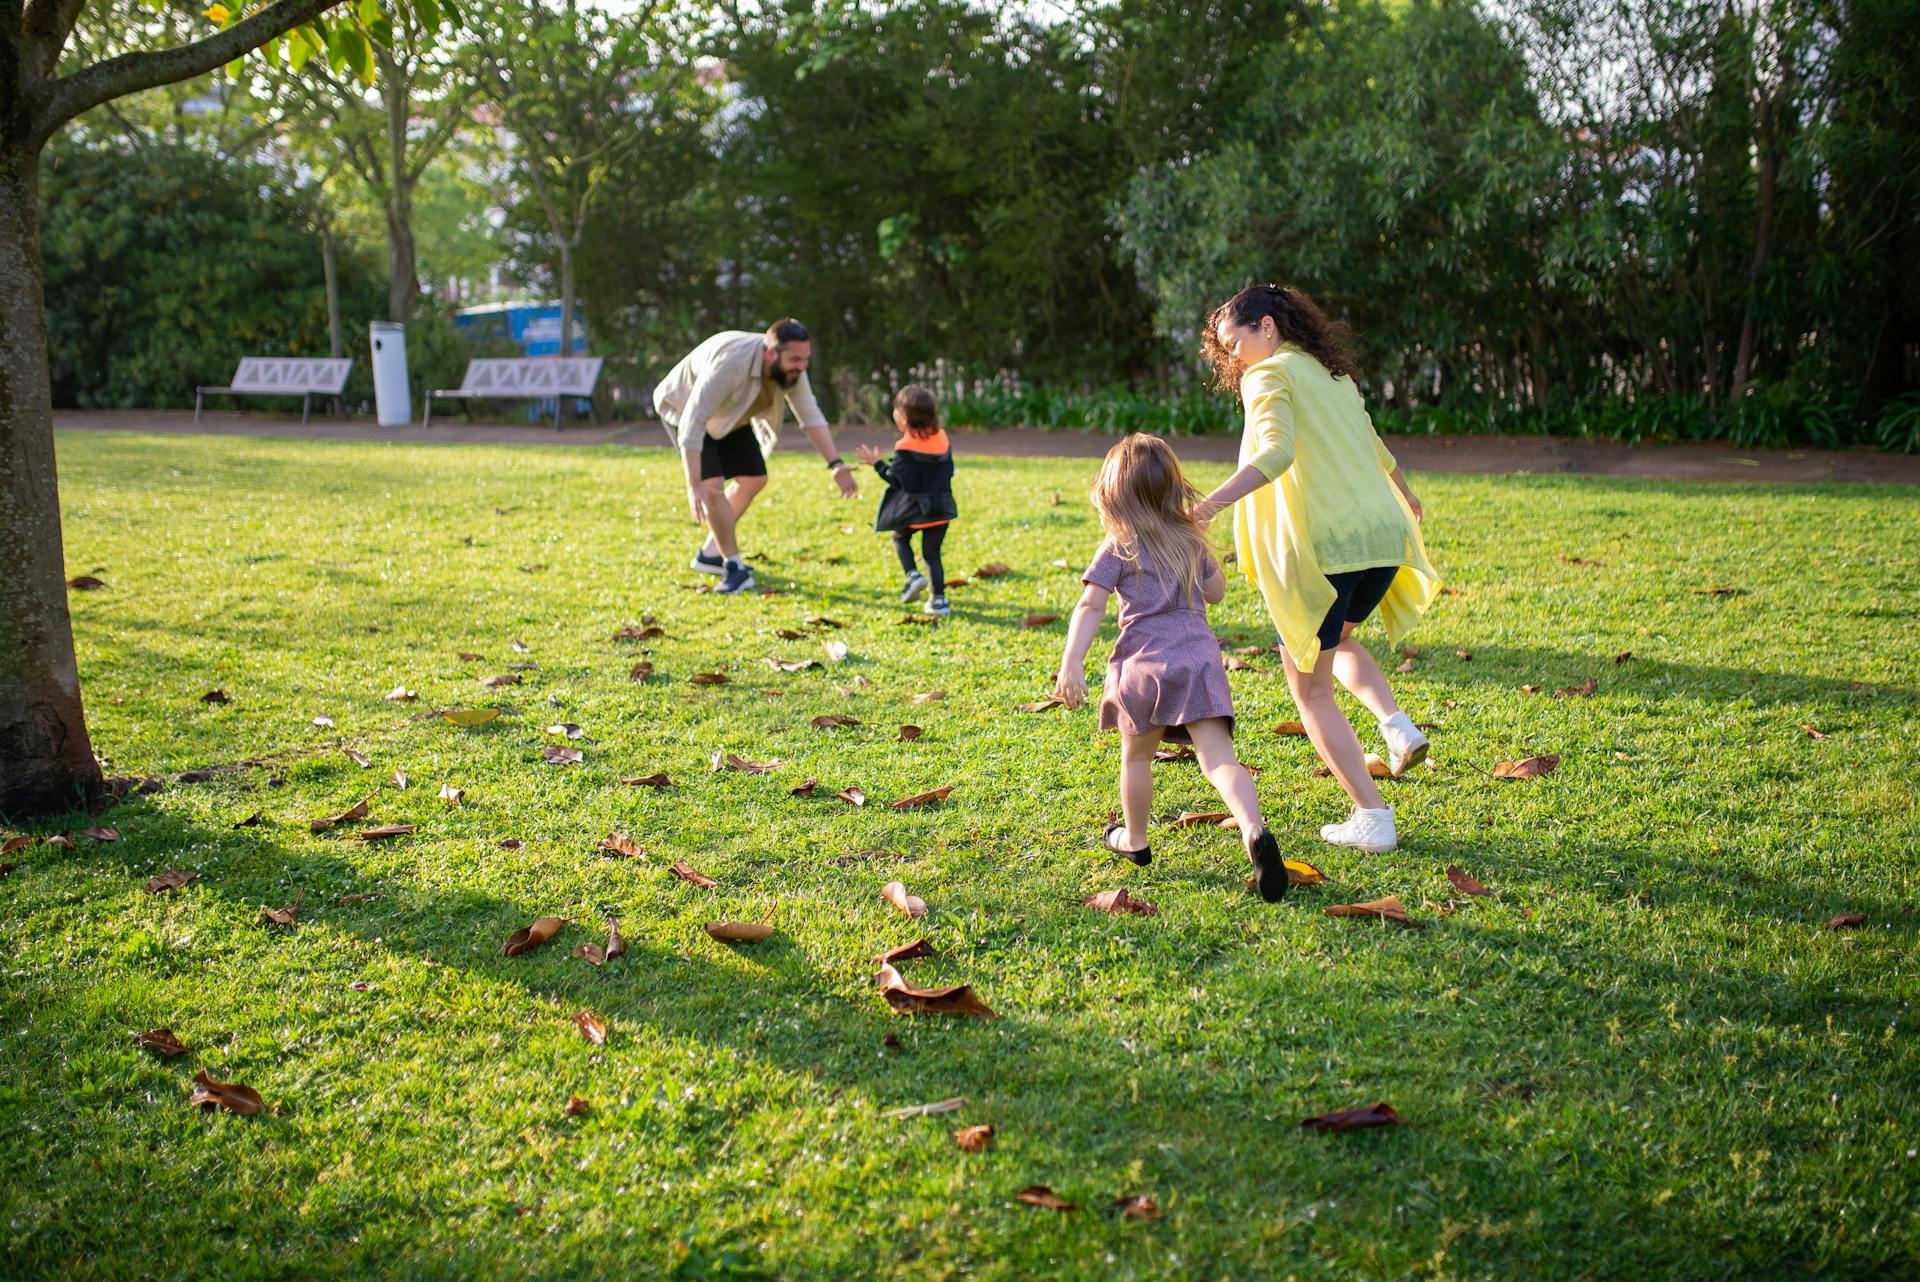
783	377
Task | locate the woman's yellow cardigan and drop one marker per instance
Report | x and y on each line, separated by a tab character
1331	507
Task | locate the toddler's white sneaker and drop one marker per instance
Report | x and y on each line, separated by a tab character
1368	830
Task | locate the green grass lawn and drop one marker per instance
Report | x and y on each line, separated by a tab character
1646	1055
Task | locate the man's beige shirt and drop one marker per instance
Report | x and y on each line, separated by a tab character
722	385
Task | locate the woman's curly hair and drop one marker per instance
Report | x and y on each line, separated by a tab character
1300	322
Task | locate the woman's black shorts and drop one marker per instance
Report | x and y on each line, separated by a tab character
1357	594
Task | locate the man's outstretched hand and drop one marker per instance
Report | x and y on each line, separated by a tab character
843	477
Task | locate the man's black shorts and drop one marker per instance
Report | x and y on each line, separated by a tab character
735	454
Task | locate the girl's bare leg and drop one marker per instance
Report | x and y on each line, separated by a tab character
1136	784
1332	734
1213	744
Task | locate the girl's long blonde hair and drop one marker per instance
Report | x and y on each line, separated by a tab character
1146	507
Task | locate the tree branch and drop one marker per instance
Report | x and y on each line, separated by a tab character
63	99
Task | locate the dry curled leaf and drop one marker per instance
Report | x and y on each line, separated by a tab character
567	730
1038	620
528	938
905	999
833	721
632	632
21	843
451	795
895	893
648	781
1302	873
792	665
1530	689
163	1041
973	1139
1234	663
360	759
358	810
1354	1119
1813	733
1841	921
364	896
788	634
616	943
733	761
1526	767
1175	752
928	697
467	718
590	1027
708	679
468	656
400	694
921	947
1042	1196
592	954
685	872
85	583
557	756
231	1096
1120	901
1290	727
992	570
1387	909
1622	657
923	798
511	843
852	796
172	879
1138	1206
282	916
502	679
1377	768
1191	818
100	834
1042	705
642	671
822	621
398	779
618	843
805	789
383	832
739	932
909	733
1584	690
215	696
1464	883
521	647
577	1107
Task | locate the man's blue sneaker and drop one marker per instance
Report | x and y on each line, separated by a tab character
738	579
714	564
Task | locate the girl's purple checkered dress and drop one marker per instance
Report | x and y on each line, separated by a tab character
1165	669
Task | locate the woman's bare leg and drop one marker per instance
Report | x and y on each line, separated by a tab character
1355	668
1332	734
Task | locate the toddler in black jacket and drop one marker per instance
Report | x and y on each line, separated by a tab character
919	494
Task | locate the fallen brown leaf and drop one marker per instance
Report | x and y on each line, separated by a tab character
618	843
909	733
21	843
85	583
1378	768
1354	1119
1387	909
1581	691
215	696
557	756
1529	689
616	944
1813	733
1290	728
733	761
1622	657
511	843
567	729
1175	752
451	795
528	938
648	781
992	570
1463	656
973	1139
231	1096
163	1041
1037	620
358	810
382	833
1138	1207
590	1027
577	1107
641	671
895	893
468	656
631	632
1302	873
907	952
1464	883
1191	818
1840	921
100	834
832	721
805	789
793	665
685	872
1119	901
172	879
1042	705
1041	1195
1526	767
956	999
923	798
708	679
503	679
739	932
1234	663
852	796
822	621
398	779
521	647
788	634
929	697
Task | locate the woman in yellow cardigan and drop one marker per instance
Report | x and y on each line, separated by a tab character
1325	526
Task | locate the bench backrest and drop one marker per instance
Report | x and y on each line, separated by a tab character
295	374
532	376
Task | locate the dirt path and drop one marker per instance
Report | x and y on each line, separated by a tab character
1500	454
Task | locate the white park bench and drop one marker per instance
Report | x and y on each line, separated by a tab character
282	376
539	378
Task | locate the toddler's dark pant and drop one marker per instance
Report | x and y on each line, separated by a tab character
930	540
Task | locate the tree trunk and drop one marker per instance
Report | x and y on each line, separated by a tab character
330	265
566	298
46	761
403	280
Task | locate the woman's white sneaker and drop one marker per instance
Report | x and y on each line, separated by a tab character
1406	746
1368	830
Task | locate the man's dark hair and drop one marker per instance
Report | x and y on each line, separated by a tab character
789	330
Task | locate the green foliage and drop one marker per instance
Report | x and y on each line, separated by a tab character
165	265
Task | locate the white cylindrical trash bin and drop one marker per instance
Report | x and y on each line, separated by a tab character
392	403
